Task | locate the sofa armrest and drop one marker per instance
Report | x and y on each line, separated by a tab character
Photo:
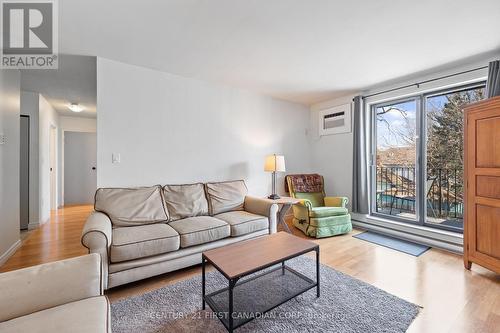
265	207
305	203
336	202
37	288
97	236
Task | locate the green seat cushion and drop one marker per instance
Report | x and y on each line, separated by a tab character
327	211
316	198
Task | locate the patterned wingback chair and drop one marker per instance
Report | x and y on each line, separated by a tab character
317	215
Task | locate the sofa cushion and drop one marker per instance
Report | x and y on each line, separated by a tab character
131	206
243	222
87	315
327	211
226	196
185	200
143	241
200	229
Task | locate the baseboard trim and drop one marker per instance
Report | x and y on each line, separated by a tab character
33	225
37	224
438	239
7	254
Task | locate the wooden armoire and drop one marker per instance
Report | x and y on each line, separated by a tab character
482	184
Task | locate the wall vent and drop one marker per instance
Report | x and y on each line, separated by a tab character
335	120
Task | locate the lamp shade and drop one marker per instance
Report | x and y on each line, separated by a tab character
275	163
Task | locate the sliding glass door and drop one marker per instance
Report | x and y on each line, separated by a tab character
444	156
421	181
396	159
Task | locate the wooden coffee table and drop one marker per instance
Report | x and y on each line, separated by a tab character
245	299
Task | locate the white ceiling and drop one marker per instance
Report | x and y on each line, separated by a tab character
299	50
73	82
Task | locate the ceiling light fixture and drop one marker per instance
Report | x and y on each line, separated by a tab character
75	107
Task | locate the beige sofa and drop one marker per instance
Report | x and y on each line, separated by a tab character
143	232
61	296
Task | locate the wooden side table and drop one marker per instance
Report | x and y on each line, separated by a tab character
284	204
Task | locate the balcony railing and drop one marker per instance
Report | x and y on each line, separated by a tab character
396	192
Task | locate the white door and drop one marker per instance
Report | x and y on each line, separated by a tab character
80	174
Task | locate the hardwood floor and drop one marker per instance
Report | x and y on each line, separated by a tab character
453	299
55	240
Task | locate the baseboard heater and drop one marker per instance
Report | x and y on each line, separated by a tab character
411	234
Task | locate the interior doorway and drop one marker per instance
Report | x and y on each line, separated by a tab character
80	173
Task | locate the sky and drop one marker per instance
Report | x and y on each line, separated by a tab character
395	125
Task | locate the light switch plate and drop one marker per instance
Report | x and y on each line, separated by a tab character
115	158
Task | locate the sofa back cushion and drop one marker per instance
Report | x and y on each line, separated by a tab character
131	206
185	200
316	198
226	196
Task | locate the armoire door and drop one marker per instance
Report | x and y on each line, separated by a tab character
482	170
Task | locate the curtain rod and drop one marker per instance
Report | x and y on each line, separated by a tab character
426	81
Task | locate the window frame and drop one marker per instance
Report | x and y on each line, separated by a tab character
421	152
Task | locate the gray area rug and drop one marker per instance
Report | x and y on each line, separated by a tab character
346	305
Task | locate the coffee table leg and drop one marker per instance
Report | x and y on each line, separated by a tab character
203	282
317	272
283	267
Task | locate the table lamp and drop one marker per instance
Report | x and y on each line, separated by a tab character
274	163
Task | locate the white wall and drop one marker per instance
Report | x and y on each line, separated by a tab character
30	107
78	124
47	117
9	162
170	129
72	124
332	154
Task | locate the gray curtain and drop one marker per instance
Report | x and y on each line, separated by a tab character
493	83
360	195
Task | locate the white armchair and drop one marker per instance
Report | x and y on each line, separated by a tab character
62	296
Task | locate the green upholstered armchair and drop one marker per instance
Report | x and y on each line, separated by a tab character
317	215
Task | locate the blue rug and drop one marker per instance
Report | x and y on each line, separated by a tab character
454	223
393	243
